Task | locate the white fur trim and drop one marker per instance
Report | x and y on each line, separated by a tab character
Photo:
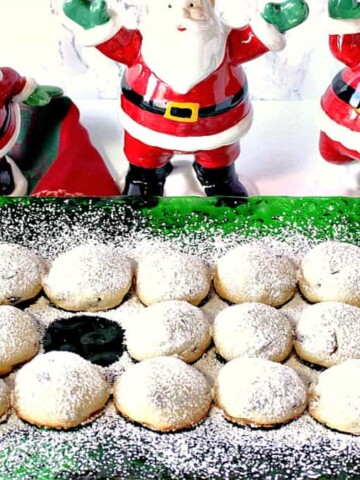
25	93
343	26
186	144
1	75
12	141
349	138
268	34
96	35
21	184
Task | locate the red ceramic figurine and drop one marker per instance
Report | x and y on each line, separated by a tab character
340	115
184	90
15	89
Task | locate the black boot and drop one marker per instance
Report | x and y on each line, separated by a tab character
220	181
7	183
146	182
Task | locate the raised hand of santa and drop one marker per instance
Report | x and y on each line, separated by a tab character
344	9
87	14
184	89
286	15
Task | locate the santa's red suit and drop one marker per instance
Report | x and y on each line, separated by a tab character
13	89
208	120
340	105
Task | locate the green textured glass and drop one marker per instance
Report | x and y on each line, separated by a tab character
48	455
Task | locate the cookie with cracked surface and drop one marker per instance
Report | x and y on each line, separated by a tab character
75	391
164	394
89	278
21	272
330	272
253	273
259	393
252	330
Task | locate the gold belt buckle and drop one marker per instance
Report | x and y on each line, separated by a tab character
193	107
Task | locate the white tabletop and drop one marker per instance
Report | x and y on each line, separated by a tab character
279	155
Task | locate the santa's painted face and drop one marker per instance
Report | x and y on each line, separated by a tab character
182	15
183	41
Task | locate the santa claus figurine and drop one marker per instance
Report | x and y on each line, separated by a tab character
15	89
184	90
340	112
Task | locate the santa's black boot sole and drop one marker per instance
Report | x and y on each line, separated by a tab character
7	184
146	182
220	181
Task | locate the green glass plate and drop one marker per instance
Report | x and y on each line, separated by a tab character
31	453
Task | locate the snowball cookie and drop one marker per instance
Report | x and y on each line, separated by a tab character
19	338
328	333
257	392
177	277
253	273
335	399
59	390
252	330
89	277
168	328
330	272
4	400
20	273
163	393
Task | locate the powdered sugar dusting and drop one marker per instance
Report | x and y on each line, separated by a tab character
252	273
19	338
20	273
252	330
113	446
260	392
177	276
73	388
163	393
168	328
329	333
89	277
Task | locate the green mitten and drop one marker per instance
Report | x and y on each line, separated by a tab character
87	13
286	15
344	9
42	95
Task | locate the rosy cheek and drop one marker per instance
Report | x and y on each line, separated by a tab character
198	14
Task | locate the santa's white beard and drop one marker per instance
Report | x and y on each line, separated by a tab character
184	59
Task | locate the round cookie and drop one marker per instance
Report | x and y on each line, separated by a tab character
59	390
330	272
21	271
172	277
89	277
4	400
260	393
163	394
334	400
253	273
168	328
328	333
252	330
19	338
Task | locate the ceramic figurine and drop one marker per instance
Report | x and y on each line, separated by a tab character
340	105
184	90
15	89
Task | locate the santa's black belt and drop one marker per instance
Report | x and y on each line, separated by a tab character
180	111
6	123
346	92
